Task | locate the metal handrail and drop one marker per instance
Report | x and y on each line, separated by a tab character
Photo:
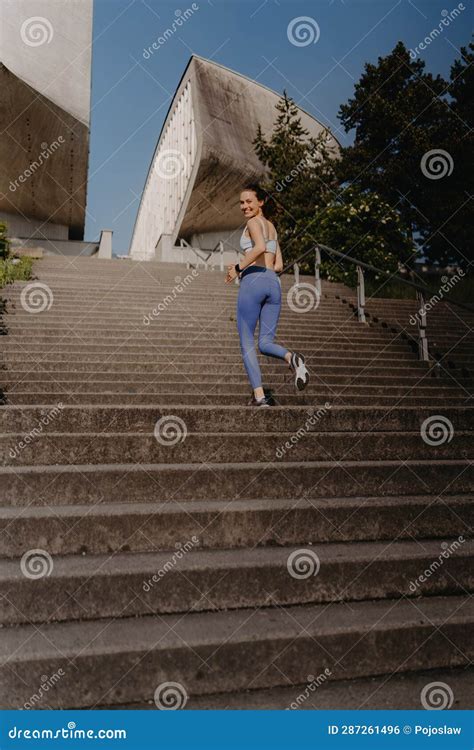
420	287
198	250
421	290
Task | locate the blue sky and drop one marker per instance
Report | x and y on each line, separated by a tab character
131	94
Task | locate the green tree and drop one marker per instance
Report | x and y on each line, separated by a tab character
364	226
447	202
401	115
300	176
309	204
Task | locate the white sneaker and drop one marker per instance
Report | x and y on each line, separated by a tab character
298	366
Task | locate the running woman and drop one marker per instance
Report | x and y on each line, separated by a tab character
259	296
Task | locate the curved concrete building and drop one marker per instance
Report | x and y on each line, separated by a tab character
45	91
202	158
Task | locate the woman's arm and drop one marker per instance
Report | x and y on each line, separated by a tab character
256	235
278	259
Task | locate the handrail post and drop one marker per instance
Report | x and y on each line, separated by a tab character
296	270
421	325
317	278
360	295
221	250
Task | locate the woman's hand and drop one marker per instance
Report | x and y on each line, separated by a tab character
231	274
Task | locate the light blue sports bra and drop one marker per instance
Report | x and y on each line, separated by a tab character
246	243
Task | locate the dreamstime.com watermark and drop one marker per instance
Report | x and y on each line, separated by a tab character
44	154
67	733
36	563
302	431
31	436
170	696
448	550
180	19
170	430
436	430
302	31
181	551
436	696
448	283
447	18
36	30
307	162
313	683
46	684
303	297
180	285
36	297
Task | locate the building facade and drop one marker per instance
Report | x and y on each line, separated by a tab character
45	92
203	157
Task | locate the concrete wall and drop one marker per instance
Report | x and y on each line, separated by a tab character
45	75
48	44
225	108
58	247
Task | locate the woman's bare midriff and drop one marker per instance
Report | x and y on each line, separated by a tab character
268	261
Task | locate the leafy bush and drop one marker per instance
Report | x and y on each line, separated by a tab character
11	268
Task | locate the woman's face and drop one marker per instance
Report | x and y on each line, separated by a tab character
249	203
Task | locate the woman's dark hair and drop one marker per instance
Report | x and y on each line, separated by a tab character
255	187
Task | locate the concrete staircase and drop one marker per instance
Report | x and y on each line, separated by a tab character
156	529
450	330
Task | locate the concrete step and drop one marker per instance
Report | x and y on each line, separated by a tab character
195	398
189	386
111	447
102	661
386	692
107	483
183	357
324	376
210	348
186	579
187	336
413	369
213	418
137	527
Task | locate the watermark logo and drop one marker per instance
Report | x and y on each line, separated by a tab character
179	287
302	31
36	431
170	430
446	286
447	18
36	297
181	550
436	164
170	163
179	20
303	563
437	696
437	430
308	161
47	149
302	431
46	684
36	563
170	696
447	550
36	31
313	683
303	297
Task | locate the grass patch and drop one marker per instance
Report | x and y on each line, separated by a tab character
15	271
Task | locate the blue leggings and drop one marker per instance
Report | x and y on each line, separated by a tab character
259	299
